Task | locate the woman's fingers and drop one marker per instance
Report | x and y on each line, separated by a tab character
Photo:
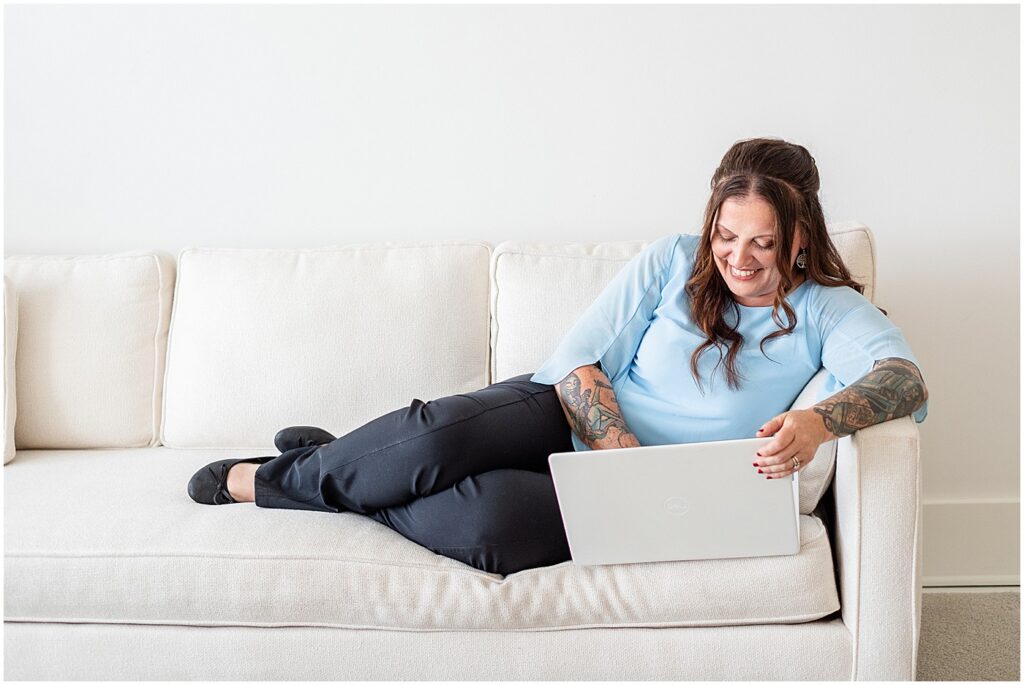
779	458
775	458
783	469
772	426
774	452
780	465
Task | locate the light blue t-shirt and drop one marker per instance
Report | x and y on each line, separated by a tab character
640	329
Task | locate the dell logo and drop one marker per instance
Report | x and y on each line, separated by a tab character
677	506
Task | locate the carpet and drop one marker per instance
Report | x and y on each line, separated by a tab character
969	636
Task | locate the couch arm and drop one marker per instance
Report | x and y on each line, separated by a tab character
877	490
10	349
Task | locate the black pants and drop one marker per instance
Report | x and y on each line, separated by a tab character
465	476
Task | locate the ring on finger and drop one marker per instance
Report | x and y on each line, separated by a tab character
796	464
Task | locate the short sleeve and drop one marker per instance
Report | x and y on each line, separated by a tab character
856	334
610	329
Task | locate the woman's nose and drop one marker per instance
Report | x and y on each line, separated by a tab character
742	255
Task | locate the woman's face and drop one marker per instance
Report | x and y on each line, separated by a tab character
744	240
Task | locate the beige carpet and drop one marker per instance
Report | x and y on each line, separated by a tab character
969	636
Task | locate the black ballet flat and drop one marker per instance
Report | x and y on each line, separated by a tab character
301	436
209	485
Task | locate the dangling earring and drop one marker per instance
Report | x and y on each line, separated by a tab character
801	259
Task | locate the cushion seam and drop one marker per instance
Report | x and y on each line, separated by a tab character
692	623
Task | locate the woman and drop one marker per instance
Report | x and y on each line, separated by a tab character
467	475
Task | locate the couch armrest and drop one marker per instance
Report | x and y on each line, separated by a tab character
10	349
877	490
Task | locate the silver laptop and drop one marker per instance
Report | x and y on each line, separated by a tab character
673	502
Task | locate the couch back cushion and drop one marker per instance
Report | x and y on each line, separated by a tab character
92	334
262	339
538	290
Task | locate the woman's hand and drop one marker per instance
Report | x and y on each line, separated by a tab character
797	434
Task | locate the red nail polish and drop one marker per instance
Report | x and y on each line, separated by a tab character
754	464
759	454
768	477
760	471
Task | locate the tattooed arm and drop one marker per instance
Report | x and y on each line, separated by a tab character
892	389
590	406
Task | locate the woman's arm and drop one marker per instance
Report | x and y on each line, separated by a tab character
892	389
589	404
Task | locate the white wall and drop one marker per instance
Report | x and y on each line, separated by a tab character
160	127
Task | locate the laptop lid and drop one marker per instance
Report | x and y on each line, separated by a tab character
674	502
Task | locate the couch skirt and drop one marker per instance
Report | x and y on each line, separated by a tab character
820	650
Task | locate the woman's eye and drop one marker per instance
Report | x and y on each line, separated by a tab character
729	240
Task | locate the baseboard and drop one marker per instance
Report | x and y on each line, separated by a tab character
971	589
971	542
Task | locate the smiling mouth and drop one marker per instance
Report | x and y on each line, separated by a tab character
742	274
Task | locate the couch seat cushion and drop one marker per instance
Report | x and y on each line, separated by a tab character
112	536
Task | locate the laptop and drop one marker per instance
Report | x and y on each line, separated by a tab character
674	502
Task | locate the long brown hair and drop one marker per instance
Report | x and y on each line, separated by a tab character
784	175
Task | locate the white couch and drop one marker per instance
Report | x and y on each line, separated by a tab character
128	372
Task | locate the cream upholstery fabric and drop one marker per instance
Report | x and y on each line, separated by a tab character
856	245
878	548
110	536
563	278
91	342
10	350
804	651
128	545
523	334
814	478
332	337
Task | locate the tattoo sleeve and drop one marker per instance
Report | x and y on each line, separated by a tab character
592	410
893	388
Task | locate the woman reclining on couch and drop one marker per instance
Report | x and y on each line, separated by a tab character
467	475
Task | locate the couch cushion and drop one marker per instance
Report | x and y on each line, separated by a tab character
523	334
538	290
814	478
10	349
856	245
331	337
111	536
92	333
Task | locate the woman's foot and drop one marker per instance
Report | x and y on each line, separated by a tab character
241	482
209	485
301	436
